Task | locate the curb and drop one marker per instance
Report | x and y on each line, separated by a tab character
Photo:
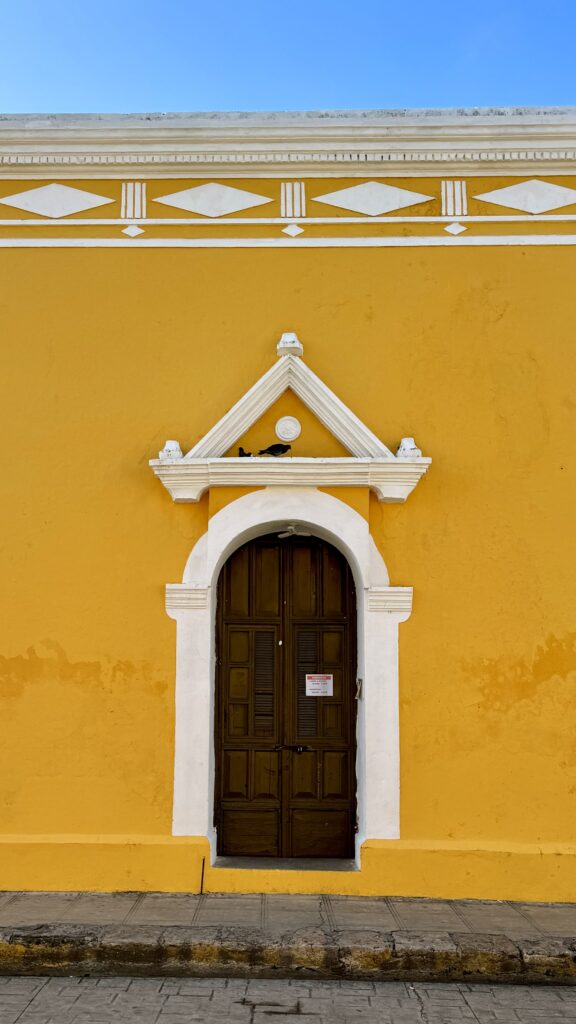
181	951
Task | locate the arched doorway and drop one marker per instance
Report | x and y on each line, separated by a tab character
285	716
381	610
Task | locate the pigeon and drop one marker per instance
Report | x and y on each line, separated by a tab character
244	455
276	450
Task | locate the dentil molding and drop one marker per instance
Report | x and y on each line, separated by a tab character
491	140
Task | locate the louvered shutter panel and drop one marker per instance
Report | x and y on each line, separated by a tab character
264	683
307	662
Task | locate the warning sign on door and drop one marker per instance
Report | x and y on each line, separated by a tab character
319	686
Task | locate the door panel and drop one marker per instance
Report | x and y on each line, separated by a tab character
304	776
266	581
235	780
304	581
249	833
285	782
238	582
321	834
266	775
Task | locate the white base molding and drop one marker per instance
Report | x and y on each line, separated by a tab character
435	868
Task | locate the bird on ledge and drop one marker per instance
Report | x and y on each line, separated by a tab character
273	449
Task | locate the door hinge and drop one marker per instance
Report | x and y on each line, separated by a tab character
358	694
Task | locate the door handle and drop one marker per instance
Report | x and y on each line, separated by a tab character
296	748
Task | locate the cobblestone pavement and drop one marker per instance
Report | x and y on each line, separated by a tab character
158	1001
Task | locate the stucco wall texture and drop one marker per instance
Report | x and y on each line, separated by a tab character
106	353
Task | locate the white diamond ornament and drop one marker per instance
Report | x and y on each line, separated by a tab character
132	231
533	196
213	200
373	198
455	229
55	200
293	230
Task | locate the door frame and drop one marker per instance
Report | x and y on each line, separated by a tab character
380	609
287	624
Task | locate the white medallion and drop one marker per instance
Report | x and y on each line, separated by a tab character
288	428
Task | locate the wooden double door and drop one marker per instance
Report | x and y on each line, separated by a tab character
285	760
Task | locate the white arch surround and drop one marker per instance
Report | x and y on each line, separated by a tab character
381	608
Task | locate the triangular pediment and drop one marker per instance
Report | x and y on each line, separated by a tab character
290	373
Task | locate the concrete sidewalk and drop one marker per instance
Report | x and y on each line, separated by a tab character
156	934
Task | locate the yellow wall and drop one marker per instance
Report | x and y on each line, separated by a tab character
107	352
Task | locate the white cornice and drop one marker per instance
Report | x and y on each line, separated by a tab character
392	480
486	141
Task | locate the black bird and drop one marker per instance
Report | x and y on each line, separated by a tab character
276	450
244	455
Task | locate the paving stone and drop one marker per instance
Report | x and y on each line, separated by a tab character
433	942
293	912
230	910
394	1003
165	908
491	916
37	908
374	914
116	983
130	934
102	908
551	919
265	1017
426	915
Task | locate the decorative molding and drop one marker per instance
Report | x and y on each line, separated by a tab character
392	480
213	199
408	449
55	201
133	200
397	600
531	140
215	205
455	228
171	450
331	242
288	428
531	196
454	199
340	221
181	596
293	199
373	198
289	372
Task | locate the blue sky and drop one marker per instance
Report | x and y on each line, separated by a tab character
287	55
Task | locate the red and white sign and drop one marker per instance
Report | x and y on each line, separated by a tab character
319	686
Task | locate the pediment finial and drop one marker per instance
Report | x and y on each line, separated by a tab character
290	344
